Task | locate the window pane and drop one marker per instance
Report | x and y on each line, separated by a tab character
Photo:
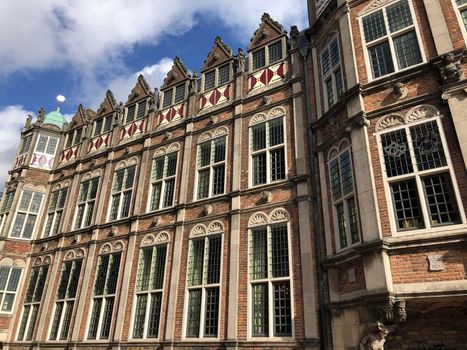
396	153
130	175
329	92
29	226
195	268
25	144
334	52
144	269
346	172
25	200
406	205
209	80
24	320
65	275
277	164
282	309
111	283
114	207
464	18
154	315
260	317
259	59
224	74
381	59
141	109
179	93
107	124
56	320
118	180
214	260
169	193
41	143
325	62
140	310
204	156
194	308
126	204
280	251
203	184
212	312
37	296
407	50
73	284
102	267
107	318
88	217
7	305
4	272
78	134
36	202
96	310
219	149
440	200
258	254
171	164
258	137
66	320
15	275
373	26
167	98
259	169
98	126
32	322
275	52
427	146
159	267
339	82
51	145
341	225
130	116
18	225
399	15
353	223
276	132
156	195
218	180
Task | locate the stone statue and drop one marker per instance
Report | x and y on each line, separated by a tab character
451	68
120	109
240	61
154	100
374	337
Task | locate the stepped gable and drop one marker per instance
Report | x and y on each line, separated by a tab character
177	74
268	30
108	104
219	53
141	90
81	117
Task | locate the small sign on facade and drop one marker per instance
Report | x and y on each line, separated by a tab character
436	262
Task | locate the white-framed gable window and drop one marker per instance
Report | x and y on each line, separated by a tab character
173	95
163	175
270	284
26	214
345	213
419	176
46	145
267	55
211	164
55	211
74	137
65	299
217	77
86	203
9	282
102	125
149	286
331	71
33	298
6	207
135	111
392	38
122	191
204	281
104	292
267	148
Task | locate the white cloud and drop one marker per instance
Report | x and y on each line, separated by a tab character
14	118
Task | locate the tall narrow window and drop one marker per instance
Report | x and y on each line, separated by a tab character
271	310
343	199
86	203
217	77
419	177
5	208
122	190
136	111
103	299
391	39
267	149
32	302
179	93
204	268
26	215
149	289
163	173
211	167
46	145
65	299
331	73
55	211
25	144
9	282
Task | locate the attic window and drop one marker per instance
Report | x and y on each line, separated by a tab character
179	93
138	110
168	98
103	125
169	95
217	77
267	55
209	80
74	137
275	52
25	144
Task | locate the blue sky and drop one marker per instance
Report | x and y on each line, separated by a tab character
81	48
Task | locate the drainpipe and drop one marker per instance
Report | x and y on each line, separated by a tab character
304	49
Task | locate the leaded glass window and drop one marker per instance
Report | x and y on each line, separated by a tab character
73	137
168	94
163	175
267	149
32	302
149	290
103	299
343	199
223	76
9	282
331	72
267	55
269	265
211	164
391	38
259	59
26	214
122	190
5	208
204	273
65	299
46	145
209	80
102	125
275	52
179	93
420	179
217	77
86	203
136	111
25	144
55	211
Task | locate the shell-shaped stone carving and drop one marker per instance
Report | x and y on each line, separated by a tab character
69	255
79	253
276	112
216	227
117	246
258	219
162	237
345	143
421	112
92	174
389	121
37	262
279	215
173	147
207	135
148	240
106	248
198	230
47	260
258	118
160	152
126	163
221	131
6	262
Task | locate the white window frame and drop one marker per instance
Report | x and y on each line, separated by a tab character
136	115
203	286
344	201
266	54
86	203
7	203
270	282
27	212
389	37
174	92
5	291
121	193
163	181
211	166
332	73
267	150
66	300
54	212
217	76
102	130
417	175
48	140
149	293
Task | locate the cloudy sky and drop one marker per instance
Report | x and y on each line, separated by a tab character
81	48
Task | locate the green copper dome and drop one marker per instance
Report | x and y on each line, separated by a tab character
55	118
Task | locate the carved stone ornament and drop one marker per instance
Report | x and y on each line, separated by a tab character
389	122
198	230
258	219
267	100
148	240
400	90
162	237
436	262
374	337
207	209
117	246
451	69
216	227
240	61
214	119
155	220
266	196
168	135
294	33
113	231
279	215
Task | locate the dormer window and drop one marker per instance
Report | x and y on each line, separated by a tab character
74	137
136	111
169	95
217	77
102	125
267	55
